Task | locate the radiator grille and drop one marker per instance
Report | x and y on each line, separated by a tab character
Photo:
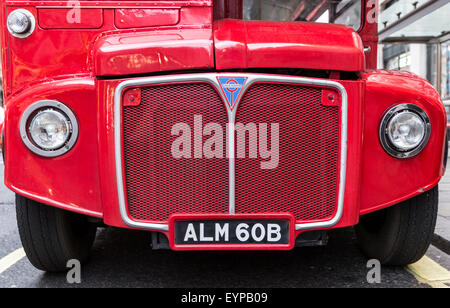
305	182
158	185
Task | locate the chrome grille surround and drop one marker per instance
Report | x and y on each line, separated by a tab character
212	78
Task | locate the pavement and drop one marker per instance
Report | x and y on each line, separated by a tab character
123	258
442	233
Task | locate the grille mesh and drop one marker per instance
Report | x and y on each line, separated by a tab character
157	185
305	182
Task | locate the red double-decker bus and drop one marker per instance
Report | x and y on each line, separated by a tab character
215	125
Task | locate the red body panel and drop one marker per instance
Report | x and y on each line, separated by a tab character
154	51
143	18
70	181
261	44
51	53
386	180
72	65
57	19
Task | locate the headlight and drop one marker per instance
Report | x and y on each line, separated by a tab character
49	128
405	131
21	23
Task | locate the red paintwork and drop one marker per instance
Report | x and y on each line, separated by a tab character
70	181
57	19
331	97
369	32
153	51
62	53
143	18
399	180
262	44
69	65
132	97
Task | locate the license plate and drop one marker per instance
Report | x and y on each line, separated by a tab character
236	232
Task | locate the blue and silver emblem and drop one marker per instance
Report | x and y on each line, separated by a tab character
232	89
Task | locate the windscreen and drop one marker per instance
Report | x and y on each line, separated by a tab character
347	12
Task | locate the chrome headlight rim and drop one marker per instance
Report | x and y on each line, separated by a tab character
30	18
384	137
43	105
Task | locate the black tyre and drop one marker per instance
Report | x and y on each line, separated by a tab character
51	237
400	235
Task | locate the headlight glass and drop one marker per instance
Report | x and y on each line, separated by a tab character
18	22
406	130
49	129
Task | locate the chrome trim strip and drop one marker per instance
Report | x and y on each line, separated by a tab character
232	168
211	78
